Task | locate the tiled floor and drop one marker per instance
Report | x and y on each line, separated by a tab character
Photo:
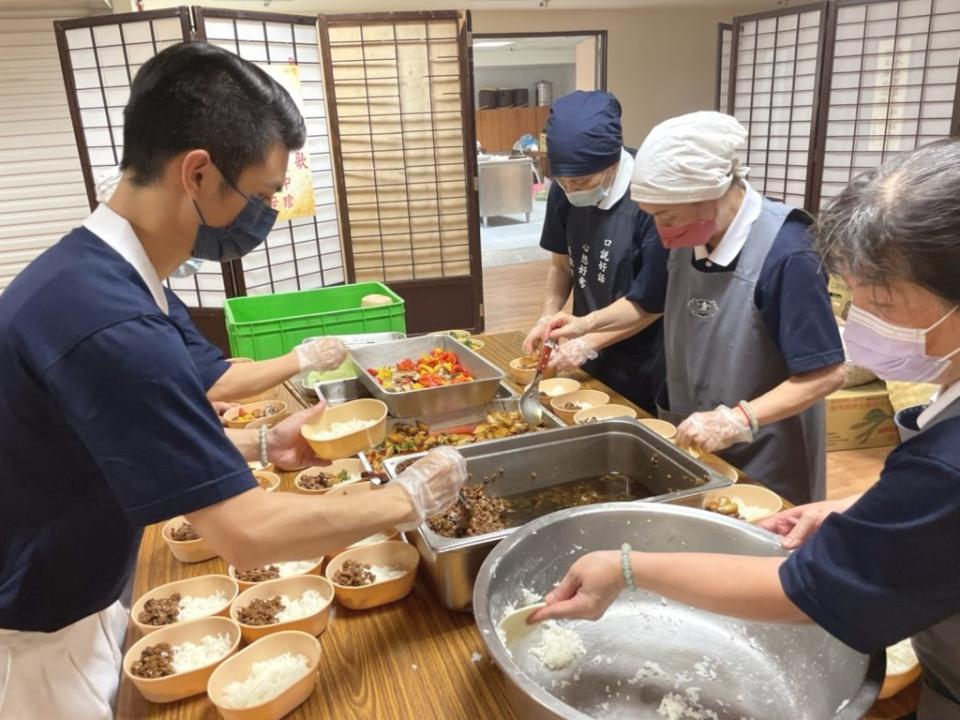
509	240
513	296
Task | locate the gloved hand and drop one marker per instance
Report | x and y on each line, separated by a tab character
536	336
571	354
713	431
321	354
433	483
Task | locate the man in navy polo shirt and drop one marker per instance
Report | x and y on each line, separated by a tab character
104	423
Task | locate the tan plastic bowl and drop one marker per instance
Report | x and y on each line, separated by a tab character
269	481
353	443
292	587
243	585
189	551
393	552
238	668
202	586
604	412
353	467
753	495
553	387
180	685
666	430
593	398
522	376
230	416
721	466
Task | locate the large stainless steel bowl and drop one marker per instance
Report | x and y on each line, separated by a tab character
738	669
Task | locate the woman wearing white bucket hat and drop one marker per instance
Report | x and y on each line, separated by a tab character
751	344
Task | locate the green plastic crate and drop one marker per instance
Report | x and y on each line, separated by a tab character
267	326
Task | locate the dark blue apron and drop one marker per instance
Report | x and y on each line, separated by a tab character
605	255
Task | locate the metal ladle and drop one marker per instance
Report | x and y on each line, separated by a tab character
530	407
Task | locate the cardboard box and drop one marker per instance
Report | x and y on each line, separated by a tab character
860	417
840	296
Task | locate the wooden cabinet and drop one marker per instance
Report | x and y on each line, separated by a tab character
498	130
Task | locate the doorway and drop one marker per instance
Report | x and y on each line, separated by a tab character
516	77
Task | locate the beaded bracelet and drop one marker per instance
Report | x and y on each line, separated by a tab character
747	409
625	551
264	460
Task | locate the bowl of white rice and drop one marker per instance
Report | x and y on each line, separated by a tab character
186	600
300	603
268	679
195	649
754	502
347	430
392	571
191	550
903	668
274	571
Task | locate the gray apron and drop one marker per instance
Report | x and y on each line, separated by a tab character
938	648
719	352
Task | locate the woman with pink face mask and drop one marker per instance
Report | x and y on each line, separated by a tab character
751	344
883	566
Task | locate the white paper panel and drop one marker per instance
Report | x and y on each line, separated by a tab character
893	82
774	97
305	253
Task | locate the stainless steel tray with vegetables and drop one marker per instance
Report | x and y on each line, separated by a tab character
473	426
519	479
426	376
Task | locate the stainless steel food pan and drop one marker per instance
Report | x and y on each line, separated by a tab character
549	458
428	401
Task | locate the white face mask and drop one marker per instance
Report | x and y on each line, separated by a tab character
587	198
190	268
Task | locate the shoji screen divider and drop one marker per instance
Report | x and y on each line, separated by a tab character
892	85
775	83
404	143
302	253
883	76
724	48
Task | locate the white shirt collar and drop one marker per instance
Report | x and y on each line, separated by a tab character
945	399
621	183
116	232
733	240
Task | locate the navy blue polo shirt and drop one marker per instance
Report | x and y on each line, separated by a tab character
104	428
206	356
888	567
792	298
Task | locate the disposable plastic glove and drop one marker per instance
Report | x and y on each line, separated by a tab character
321	354
571	354
713	431
535	337
433	483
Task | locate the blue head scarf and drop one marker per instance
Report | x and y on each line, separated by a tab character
584	135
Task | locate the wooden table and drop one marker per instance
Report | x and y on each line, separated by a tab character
409	660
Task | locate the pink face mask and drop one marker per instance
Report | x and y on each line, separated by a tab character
684	236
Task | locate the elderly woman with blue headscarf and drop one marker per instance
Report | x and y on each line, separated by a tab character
751	344
603	247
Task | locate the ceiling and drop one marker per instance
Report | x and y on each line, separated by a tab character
603	4
549	42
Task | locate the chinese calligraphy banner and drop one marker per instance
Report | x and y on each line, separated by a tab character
296	200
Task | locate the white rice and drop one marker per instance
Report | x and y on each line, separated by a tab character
340	429
382	573
189	656
267	679
310	602
677	707
295	567
192	608
750	512
901	657
559	646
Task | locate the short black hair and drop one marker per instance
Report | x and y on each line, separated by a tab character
195	95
